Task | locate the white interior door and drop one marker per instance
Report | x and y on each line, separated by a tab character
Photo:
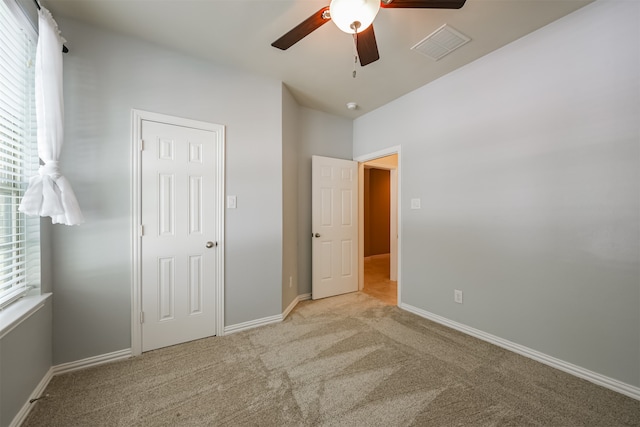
334	222
178	244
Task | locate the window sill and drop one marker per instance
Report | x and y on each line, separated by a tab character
19	311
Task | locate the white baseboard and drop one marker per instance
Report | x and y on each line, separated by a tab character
239	327
287	310
91	361
26	408
304	297
62	369
594	377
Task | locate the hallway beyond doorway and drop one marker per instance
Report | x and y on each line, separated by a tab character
376	279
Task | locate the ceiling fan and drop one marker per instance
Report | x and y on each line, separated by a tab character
356	17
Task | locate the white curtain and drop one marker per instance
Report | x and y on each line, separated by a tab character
49	193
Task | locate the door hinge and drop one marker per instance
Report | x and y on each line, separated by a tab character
142	317
141	145
141	230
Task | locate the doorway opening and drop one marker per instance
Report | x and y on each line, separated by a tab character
378	207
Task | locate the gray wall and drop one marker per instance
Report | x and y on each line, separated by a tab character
321	134
26	351
527	164
25	359
107	75
290	142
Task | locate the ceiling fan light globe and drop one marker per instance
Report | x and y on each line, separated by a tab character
344	13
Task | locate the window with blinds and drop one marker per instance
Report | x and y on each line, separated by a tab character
19	235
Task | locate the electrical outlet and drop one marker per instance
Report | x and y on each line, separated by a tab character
457	296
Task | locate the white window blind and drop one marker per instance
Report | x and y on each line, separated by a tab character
19	235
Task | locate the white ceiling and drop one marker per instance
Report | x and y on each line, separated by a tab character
318	69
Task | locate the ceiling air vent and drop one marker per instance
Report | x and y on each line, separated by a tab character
441	42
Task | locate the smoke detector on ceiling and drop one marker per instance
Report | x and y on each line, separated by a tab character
441	42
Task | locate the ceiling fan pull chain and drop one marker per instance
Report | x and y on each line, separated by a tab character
355	60
355	51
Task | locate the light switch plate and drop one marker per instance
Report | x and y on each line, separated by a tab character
415	203
231	202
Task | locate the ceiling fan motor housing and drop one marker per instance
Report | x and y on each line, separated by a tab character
353	16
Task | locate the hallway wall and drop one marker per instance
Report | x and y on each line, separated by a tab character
377	187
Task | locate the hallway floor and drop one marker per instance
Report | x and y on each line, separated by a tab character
376	279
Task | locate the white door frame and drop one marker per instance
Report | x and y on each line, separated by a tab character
367	158
137	116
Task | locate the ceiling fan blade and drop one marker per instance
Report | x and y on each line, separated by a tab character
423	4
303	29
367	46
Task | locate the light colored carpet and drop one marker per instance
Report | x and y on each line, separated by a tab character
344	361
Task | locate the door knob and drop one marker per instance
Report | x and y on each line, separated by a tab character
316	235
211	244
